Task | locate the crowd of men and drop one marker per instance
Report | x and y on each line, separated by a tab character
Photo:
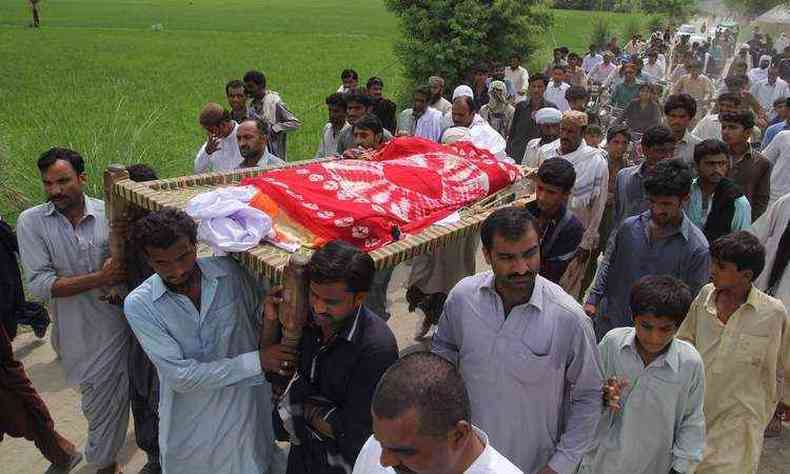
634	317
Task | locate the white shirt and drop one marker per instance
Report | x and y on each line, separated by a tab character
520	80
428	125
601	73
708	127
769	229
556	95
778	153
766	94
758	74
328	145
443	105
226	158
656	71
489	461
589	61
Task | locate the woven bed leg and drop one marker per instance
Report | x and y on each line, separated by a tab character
116	210
295	306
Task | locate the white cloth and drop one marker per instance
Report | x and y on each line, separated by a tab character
520	80
226	158
463	91
556	95
533	153
428	125
443	105
484	136
708	127
227	223
588	197
766	94
769	229
590	61
328	145
454	134
490	460
778	153
781	43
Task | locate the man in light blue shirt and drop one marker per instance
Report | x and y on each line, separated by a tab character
716	205
198	320
654	390
771	132
526	351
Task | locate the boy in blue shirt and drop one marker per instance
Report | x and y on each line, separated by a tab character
654	391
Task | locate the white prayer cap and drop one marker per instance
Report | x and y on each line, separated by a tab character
548	115
463	91
454	134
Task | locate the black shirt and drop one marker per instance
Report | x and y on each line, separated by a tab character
341	377
559	240
524	128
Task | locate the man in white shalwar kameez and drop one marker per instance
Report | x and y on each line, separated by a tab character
421	120
588	198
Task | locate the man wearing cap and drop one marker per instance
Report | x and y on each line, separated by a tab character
588	197
548	119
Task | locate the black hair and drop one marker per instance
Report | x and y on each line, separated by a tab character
741	248
140	172
619	130
339	261
375	81
662	296
369	122
576	92
423	89
161	229
233	84
49	157
349	74
670	178
255	76
564	50
480	68
509	222
681	101
657	135
730	97
780	101
337	99
745	119
559	66
573	55
515	55
470	102
429	384
356	95
538	77
558	172
711	146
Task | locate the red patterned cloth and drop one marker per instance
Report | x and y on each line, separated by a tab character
409	183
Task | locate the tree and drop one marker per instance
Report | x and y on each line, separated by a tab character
449	37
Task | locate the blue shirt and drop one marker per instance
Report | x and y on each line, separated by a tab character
533	375
214	404
772	131
660	424
697	209
631	254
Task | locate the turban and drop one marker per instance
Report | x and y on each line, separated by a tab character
548	115
575	117
463	91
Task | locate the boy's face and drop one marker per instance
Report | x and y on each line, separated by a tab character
653	333
593	138
550	197
726	276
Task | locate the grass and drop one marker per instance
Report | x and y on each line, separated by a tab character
98	79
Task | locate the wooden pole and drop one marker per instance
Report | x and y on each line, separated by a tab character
295	306
116	210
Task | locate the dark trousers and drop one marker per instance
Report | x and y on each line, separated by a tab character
144	398
23	413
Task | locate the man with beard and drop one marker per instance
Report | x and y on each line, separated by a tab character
267	105
437	100
221	150
588	198
64	249
524	128
251	136
716	204
421	120
660	241
338	110
344	350
526	351
548	119
422	424
198	320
